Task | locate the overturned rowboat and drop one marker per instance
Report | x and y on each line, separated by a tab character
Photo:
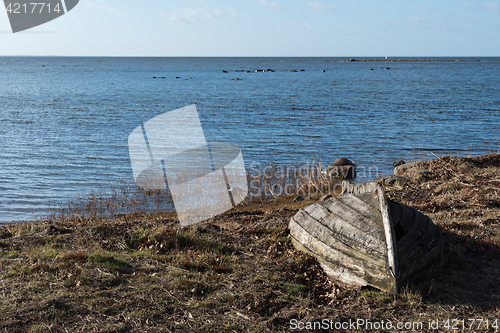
365	239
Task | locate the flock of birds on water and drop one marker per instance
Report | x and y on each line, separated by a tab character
257	71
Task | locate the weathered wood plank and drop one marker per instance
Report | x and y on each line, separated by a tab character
344	232
396	213
361	206
348	187
420	227
370	199
367	204
369	225
407	217
390	236
422	245
335	272
434	258
336	252
344	266
334	235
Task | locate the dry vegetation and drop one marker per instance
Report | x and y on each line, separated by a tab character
238	271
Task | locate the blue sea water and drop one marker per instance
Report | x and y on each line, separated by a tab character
64	122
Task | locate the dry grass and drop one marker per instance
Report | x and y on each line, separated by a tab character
266	184
238	272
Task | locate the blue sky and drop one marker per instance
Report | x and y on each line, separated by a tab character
264	28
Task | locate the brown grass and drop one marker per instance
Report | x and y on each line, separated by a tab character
266	184
238	272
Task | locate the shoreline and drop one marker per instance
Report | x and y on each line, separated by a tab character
239	271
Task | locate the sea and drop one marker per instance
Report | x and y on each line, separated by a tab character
65	121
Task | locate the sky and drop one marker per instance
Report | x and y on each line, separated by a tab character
325	28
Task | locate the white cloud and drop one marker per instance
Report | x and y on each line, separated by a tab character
300	25
465	5
217	12
190	15
354	31
271	5
233	12
416	19
191	1
379	26
468	19
490	6
321	6
103	8
493	6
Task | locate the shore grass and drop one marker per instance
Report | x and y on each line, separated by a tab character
266	183
238	272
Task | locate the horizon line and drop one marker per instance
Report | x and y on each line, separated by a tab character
260	56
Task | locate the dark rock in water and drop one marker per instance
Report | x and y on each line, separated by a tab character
398	163
341	168
154	77
341	161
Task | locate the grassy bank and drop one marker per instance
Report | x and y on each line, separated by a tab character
238	271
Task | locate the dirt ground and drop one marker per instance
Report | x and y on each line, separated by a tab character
238	272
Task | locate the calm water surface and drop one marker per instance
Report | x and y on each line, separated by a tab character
64	122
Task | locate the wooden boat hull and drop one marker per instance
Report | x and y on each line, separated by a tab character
362	238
